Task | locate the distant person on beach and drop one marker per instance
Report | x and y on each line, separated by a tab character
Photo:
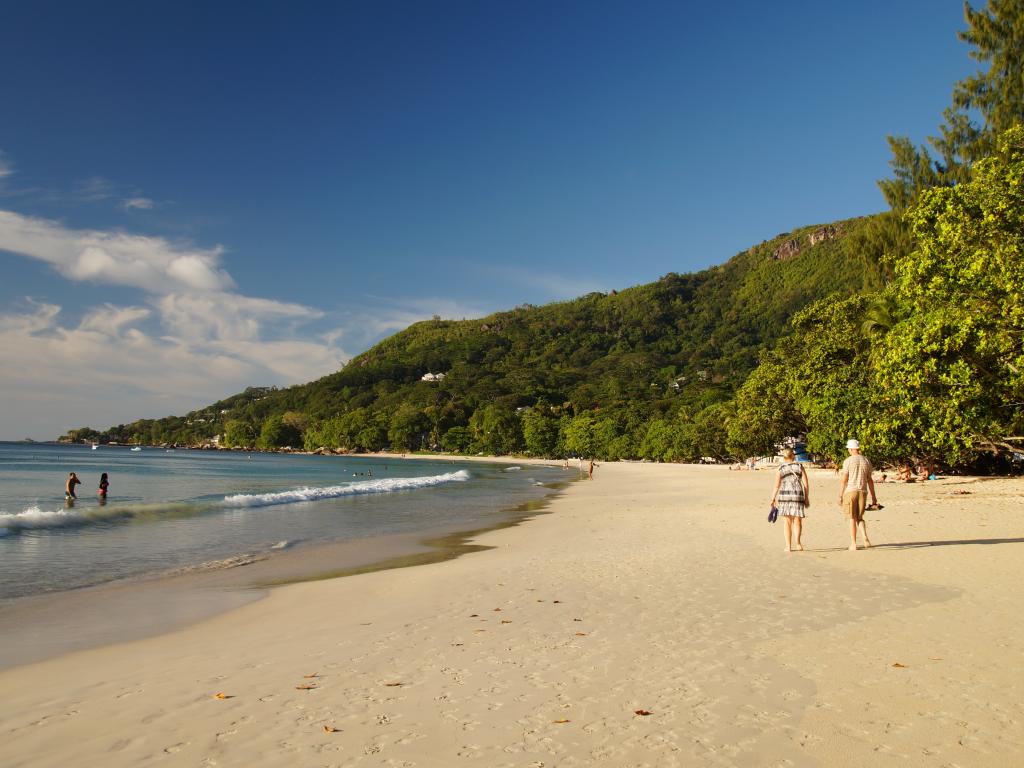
104	485
854	483
590	469
69	486
792	495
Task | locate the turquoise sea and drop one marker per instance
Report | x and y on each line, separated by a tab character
169	510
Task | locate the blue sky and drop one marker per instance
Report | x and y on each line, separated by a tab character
195	197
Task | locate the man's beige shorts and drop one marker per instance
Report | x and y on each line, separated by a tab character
854	504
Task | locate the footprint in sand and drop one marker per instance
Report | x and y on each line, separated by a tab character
121	744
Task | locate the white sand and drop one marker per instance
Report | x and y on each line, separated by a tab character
656	588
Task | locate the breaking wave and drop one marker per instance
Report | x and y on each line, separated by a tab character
384	485
35	518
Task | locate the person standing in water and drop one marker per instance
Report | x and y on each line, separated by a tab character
792	492
69	486
104	485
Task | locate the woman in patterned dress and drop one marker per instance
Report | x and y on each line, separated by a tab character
792	496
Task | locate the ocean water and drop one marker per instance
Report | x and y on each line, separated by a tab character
170	510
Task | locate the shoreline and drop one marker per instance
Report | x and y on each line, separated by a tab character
38	628
655	588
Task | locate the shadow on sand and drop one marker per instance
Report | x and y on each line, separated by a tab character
950	542
918	544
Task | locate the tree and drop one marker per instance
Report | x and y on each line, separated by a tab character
657	443
238	434
296	420
766	411
276	434
817	380
496	430
457	440
540	432
408	428
580	437
996	94
997	35
951	371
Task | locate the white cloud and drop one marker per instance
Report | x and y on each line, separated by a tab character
109	368
194	342
6	169
189	341
137	204
150	263
110	320
228	316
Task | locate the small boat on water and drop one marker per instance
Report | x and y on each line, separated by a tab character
94	447
136	448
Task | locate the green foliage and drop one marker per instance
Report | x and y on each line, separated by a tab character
588	376
816	382
457	440
932	367
996	95
765	410
238	434
580	437
496	430
81	435
276	434
952	368
408	430
540	432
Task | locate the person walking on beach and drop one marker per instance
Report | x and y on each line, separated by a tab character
854	484
792	496
69	486
590	469
104	485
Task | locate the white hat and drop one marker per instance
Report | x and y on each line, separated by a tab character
851	443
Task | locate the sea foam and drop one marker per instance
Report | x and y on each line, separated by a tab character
35	517
384	485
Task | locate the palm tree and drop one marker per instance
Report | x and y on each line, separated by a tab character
879	317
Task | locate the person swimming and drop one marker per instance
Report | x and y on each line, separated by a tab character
104	485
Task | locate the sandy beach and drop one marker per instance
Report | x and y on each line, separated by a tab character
658	589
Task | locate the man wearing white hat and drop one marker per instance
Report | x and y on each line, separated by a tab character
854	483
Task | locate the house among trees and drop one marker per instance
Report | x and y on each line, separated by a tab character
432	377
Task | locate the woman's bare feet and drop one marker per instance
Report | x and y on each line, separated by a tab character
799	547
852	547
866	543
787	549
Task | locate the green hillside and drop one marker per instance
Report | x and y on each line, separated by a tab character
583	376
905	329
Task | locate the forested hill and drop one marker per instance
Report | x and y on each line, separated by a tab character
584	376
800	335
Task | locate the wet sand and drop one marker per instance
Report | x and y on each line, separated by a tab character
46	626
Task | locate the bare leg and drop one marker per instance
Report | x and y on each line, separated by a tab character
798	523
788	532
864	525
853	533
